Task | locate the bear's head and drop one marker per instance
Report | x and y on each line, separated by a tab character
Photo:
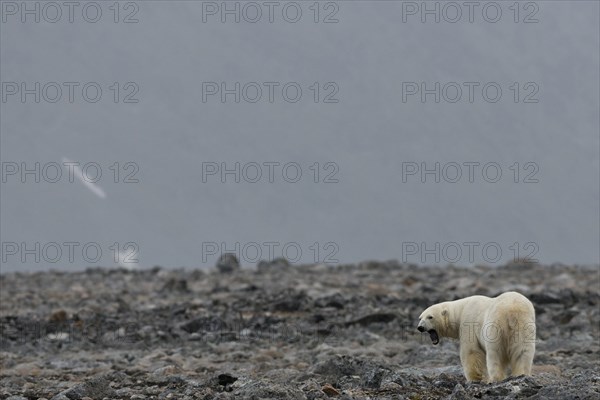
434	321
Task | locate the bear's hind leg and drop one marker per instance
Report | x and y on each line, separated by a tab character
495	365
473	363
521	362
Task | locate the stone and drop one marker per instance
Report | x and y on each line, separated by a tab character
330	390
228	263
96	388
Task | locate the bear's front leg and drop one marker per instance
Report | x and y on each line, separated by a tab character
473	362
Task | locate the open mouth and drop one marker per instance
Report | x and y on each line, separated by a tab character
433	336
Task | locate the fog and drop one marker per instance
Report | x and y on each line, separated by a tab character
368	134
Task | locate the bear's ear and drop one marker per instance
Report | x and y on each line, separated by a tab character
444	312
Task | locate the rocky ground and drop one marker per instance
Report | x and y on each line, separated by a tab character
281	332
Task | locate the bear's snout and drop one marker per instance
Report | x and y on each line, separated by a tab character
421	328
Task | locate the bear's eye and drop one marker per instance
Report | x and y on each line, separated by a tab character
430	317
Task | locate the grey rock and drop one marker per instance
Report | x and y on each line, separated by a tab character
446	381
276	264
95	388
373	377
348	382
268	390
459	393
336	367
513	387
124	392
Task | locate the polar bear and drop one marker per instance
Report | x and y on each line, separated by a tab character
494	333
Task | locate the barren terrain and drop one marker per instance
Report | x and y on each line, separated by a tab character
281	332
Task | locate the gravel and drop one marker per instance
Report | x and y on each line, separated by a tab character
281	332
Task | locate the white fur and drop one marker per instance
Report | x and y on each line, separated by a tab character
495	334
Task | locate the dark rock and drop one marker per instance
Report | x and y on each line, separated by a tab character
316	318
289	301
250	288
203	324
226	379
544	298
334	301
373	318
59	316
566	316
228	263
566	297
175	285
